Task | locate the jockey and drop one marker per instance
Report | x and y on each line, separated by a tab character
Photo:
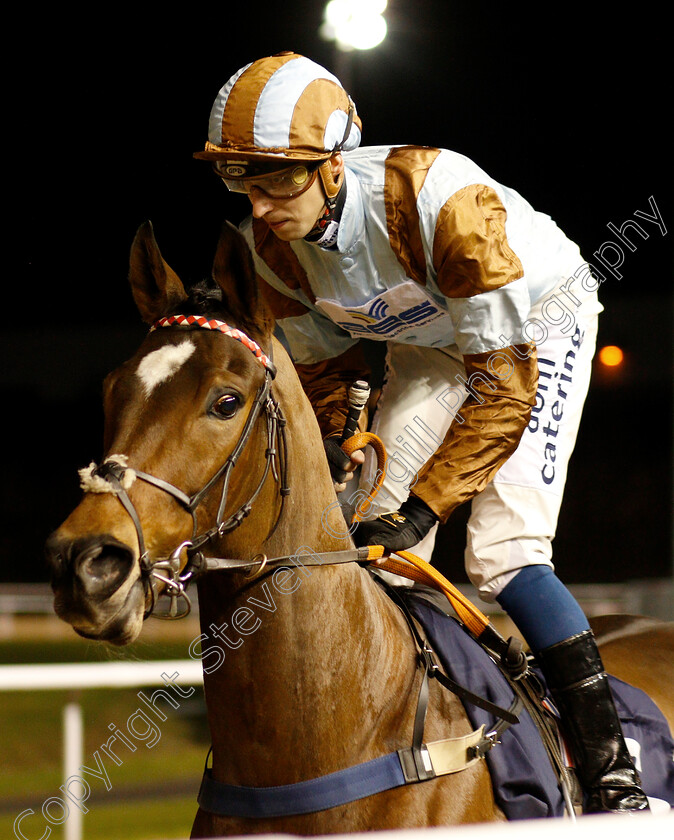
489	314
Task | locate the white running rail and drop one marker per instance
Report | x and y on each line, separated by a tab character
89	675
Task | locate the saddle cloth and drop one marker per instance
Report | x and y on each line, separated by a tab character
525	784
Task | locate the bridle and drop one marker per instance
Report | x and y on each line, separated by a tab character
114	471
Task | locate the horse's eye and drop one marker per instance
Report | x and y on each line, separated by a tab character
226	406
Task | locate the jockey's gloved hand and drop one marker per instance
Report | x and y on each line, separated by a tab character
399	530
338	460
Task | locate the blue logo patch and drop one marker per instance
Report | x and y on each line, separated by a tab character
376	323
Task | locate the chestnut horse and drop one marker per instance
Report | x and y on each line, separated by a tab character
323	674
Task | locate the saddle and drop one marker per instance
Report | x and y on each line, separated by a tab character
531	769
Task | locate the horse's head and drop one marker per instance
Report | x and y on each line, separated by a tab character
178	416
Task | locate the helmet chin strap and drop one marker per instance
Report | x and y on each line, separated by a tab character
331	185
324	232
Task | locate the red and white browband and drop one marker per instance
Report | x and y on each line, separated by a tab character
218	326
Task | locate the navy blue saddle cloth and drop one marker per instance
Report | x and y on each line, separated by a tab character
525	784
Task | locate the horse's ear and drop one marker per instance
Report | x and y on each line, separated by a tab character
234	272
157	289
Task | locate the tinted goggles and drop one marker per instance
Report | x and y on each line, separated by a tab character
288	182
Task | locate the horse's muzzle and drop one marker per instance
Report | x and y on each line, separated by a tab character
98	565
97	588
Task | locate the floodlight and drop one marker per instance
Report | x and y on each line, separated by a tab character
354	24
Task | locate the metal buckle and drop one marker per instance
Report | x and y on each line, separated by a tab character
428	656
485	745
175	582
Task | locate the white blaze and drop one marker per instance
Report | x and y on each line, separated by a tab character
160	365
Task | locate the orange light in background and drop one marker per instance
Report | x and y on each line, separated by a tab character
611	356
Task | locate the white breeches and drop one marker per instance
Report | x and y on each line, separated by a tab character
514	519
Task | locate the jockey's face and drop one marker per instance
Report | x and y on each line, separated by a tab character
292	218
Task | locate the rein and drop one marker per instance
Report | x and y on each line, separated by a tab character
114	475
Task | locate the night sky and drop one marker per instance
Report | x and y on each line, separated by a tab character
104	115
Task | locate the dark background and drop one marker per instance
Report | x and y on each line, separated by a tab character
105	112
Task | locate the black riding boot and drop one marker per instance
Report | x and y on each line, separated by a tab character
575	675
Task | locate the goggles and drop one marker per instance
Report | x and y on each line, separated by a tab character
288	182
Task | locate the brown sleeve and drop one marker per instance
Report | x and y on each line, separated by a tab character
327	385
486	429
471	254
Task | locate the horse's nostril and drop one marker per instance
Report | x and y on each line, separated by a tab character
99	565
101	569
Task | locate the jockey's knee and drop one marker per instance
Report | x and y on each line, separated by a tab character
491	567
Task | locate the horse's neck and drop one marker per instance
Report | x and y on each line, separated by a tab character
305	656
310	658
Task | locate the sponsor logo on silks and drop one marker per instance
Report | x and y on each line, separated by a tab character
376	322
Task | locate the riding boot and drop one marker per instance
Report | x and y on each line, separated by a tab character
580	687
